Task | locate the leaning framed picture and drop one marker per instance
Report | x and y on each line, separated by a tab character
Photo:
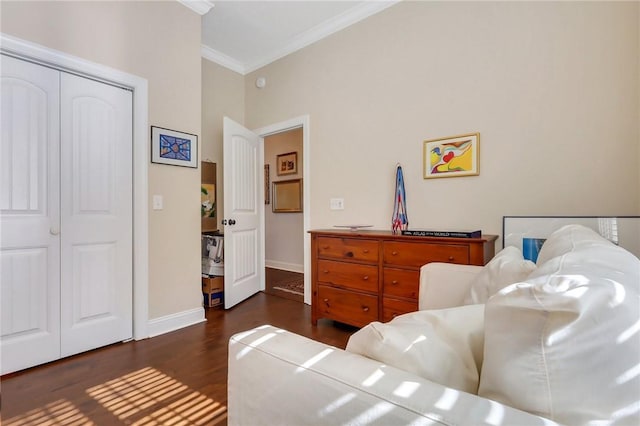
287	164
452	156
287	196
173	147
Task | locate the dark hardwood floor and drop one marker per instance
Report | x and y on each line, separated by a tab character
176	378
273	277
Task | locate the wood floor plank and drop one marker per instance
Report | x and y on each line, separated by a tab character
178	376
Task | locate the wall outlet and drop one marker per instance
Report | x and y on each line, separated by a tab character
336	204
157	202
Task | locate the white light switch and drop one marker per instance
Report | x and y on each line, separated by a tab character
336	204
157	202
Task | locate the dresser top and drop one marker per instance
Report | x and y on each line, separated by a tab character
379	233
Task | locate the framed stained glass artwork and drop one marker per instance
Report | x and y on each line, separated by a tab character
173	147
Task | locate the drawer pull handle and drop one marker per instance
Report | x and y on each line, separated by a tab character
394	253
325	247
394	282
365	251
365	308
349	254
450	257
366	277
326	302
325	271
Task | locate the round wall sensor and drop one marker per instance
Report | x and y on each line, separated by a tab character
261	82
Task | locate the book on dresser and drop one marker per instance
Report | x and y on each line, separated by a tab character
371	275
437	233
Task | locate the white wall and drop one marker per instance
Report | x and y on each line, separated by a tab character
552	87
158	41
284	232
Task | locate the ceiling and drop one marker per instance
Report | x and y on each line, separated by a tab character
246	35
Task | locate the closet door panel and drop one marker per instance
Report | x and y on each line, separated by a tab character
29	217
96	214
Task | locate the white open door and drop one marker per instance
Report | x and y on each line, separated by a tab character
243	257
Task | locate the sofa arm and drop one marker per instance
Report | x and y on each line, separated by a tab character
280	378
445	285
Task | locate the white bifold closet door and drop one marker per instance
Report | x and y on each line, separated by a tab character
66	215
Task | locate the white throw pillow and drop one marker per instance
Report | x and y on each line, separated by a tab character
507	267
565	344
565	240
444	346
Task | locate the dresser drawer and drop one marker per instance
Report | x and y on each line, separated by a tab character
348	249
401	283
391	308
350	275
418	254
347	306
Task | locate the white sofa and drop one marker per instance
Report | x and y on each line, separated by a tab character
561	346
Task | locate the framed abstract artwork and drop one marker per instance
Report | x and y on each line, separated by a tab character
173	147
452	156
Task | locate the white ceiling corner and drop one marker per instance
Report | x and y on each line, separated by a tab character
246	35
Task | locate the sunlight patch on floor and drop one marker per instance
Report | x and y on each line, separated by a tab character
61	412
149	397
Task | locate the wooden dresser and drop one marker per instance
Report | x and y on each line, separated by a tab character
364	276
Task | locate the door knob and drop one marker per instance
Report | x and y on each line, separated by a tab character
54	230
232	221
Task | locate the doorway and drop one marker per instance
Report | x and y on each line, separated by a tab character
283	214
299	125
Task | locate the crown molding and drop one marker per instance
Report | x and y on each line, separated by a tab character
201	7
316	33
222	59
325	29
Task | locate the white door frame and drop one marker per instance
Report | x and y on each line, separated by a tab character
302	121
139	86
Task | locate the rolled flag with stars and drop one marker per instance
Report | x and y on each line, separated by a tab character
399	221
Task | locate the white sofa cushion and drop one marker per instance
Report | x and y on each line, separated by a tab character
444	346
507	267
564	345
565	240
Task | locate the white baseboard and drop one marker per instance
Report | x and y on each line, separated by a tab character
162	325
285	266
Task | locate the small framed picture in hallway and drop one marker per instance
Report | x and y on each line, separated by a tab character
287	163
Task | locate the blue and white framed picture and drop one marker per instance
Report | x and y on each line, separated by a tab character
173	148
